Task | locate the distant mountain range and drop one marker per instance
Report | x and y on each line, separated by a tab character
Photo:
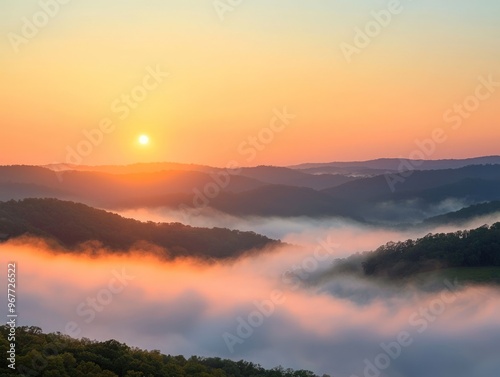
355	168
261	174
384	165
268	190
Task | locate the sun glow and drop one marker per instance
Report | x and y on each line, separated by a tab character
144	139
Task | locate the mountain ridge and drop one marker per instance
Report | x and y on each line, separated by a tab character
72	225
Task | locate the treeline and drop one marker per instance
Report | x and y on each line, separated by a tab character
395	260
71	224
58	355
465	214
466	248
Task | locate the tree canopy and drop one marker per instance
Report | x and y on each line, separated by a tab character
396	260
71	224
58	355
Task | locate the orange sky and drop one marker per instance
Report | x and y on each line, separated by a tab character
227	77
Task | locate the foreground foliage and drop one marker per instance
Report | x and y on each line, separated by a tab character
58	355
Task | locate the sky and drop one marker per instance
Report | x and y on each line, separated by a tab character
257	82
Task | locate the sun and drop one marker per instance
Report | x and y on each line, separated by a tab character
144	139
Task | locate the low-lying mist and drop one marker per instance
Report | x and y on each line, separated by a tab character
252	309
349	236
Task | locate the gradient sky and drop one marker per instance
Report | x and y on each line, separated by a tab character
227	76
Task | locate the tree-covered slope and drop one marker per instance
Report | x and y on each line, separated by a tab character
55	354
469	248
71	224
466	249
465	214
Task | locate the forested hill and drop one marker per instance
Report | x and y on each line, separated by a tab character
39	354
71	224
467	249
465	214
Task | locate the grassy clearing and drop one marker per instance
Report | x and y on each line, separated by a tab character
479	275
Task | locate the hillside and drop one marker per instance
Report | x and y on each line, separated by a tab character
71	224
284	176
377	188
56	354
279	200
465	214
462	250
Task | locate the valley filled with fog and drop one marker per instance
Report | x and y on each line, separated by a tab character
264	308
264	268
